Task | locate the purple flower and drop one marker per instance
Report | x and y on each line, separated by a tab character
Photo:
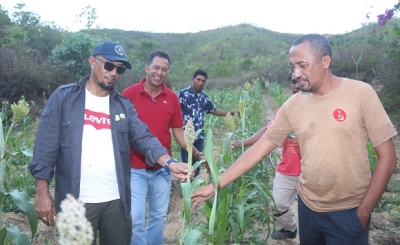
389	14
374	30
383	18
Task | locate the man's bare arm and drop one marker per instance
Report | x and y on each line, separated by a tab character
387	162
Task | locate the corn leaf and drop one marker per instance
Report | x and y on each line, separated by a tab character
196	184
192	237
3	235
23	202
2	146
19	238
186	191
215	174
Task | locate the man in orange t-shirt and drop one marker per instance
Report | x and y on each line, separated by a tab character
333	118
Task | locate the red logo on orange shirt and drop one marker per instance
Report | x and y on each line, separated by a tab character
97	119
339	115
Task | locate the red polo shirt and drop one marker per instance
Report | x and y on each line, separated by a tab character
160	114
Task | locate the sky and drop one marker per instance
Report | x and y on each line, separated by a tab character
183	16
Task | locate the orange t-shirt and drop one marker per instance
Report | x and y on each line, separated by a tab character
333	131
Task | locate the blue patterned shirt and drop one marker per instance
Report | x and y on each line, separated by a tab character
194	105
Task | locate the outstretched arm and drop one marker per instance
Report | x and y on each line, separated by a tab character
249	141
242	165
222	112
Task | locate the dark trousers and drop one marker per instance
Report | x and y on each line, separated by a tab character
108	218
199	144
331	228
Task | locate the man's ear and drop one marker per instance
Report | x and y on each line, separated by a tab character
91	61
326	61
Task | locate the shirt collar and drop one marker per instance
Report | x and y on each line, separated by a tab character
141	87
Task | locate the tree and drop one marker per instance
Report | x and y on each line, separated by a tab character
5	21
391	77
24	18
70	57
87	17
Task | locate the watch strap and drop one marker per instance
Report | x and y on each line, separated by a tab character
168	163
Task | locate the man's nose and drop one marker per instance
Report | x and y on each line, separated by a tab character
296	72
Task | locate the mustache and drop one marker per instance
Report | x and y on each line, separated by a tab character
302	79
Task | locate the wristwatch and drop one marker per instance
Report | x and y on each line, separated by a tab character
169	162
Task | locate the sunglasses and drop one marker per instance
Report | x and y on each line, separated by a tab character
110	66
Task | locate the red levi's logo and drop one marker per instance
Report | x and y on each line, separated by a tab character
97	119
339	115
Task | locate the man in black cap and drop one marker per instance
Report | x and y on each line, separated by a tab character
84	135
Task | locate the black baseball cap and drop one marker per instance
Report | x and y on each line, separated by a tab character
112	51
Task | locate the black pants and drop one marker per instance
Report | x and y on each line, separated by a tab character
331	228
108	218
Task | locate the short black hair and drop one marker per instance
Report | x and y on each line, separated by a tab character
200	72
318	43
159	53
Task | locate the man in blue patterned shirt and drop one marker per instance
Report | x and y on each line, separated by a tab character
194	103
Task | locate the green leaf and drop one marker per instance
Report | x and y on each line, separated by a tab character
186	188
196	184
2	146
207	208
227	148
239	212
19	238
211	222
196	134
197	164
192	237
3	235
23	202
3	197
210	157
27	152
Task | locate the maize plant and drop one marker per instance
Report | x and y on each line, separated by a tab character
189	186
20	199
235	208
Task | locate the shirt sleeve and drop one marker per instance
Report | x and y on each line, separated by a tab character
209	106
278	128
47	140
273	118
377	122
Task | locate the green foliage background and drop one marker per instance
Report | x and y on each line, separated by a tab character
36	56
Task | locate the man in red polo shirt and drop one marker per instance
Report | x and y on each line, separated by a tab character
159	108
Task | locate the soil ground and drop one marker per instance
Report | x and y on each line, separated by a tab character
383	230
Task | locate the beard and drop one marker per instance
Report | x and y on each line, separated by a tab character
105	87
306	89
307	85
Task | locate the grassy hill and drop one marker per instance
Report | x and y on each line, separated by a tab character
234	54
229	52
36	57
